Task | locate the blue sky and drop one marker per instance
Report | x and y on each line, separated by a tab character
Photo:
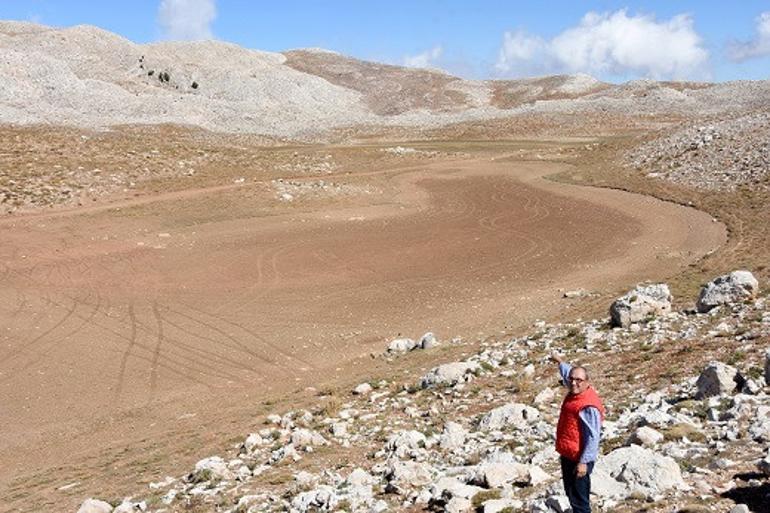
615	41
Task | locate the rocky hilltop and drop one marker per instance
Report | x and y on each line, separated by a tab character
88	77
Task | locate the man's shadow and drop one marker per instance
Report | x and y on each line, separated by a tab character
757	498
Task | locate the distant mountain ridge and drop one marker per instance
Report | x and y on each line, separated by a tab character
89	77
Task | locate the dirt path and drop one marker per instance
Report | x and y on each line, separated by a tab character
118	321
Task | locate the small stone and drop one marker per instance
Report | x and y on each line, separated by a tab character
428	341
458	505
646	436
401	345
362	389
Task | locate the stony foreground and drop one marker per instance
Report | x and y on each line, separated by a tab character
477	435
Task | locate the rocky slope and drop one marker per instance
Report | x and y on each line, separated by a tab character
87	77
477	434
721	155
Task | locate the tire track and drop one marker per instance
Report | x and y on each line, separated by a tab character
156	352
256	335
127	353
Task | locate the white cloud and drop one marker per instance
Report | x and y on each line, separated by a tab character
187	19
610	44
425	59
757	47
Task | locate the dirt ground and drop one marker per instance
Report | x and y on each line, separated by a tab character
135	331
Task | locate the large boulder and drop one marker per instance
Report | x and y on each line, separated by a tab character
450	374
717	379
635	470
730	288
95	506
511	414
641	303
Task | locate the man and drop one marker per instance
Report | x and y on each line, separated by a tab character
577	434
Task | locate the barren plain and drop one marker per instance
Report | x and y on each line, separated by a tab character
130	318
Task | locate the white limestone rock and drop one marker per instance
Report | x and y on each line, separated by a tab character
501	468
428	341
458	505
409	473
716	379
498	505
727	289
760	427
302	438
401	345
252	442
635	470
212	468
453	437
450	487
646	436
545	396
128	506
641	303
362	389
405	443
450	374
323	498
511	414
360	477
95	506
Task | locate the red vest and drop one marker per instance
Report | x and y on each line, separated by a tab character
568	442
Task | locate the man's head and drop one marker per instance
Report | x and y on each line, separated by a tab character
577	380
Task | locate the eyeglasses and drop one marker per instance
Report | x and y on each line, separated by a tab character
575	380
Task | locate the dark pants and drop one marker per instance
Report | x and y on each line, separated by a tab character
578	490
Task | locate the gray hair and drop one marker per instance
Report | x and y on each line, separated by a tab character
578	367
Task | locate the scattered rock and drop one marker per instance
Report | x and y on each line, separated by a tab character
212	468
450	374
453	437
401	345
640	304
635	470
512	414
95	506
724	290
428	341
716	379
362	389
646	436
